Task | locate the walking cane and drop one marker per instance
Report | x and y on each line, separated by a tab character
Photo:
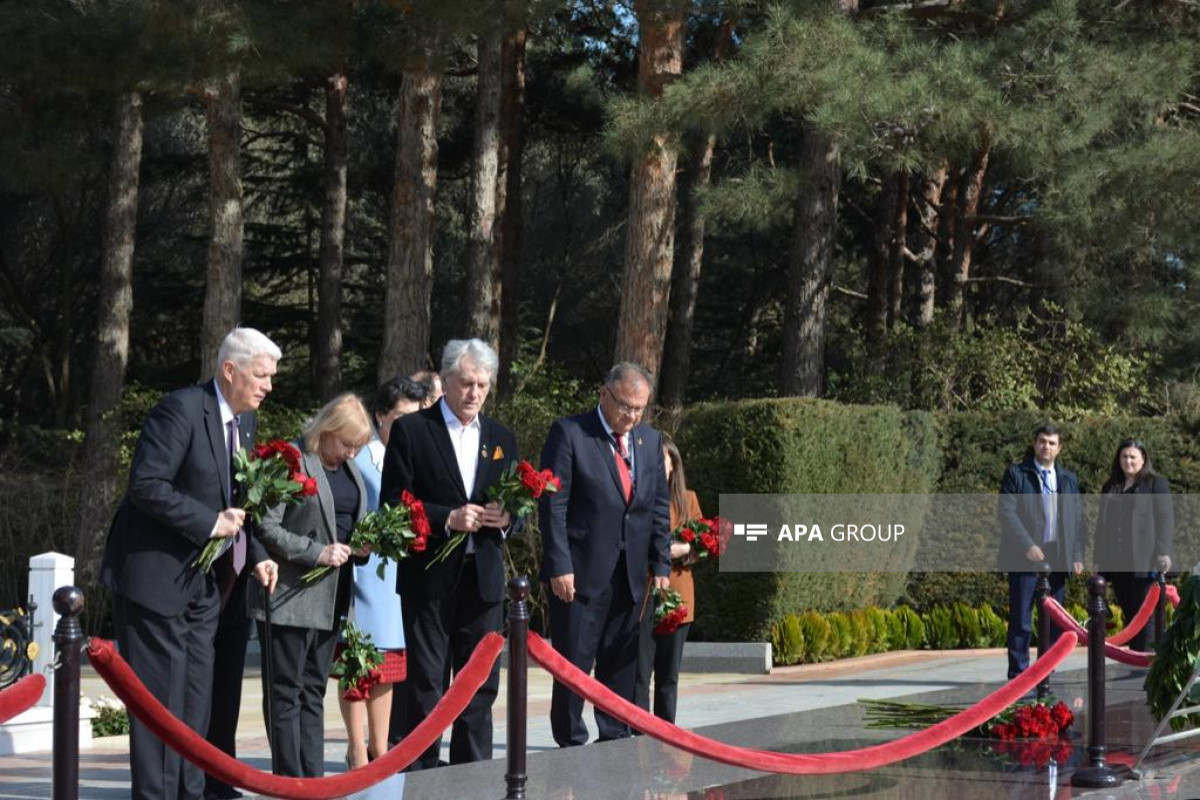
268	672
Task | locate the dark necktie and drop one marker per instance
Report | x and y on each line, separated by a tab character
239	539
1048	507
623	470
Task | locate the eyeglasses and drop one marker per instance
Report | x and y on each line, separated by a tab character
624	408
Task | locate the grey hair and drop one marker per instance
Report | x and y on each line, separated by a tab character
476	350
241	345
623	372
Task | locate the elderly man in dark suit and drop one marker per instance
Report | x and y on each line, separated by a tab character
1041	521
181	496
605	536
448	455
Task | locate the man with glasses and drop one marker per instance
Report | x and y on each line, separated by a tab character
605	538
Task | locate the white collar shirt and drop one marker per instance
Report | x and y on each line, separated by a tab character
465	439
626	439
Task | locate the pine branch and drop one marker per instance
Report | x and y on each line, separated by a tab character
849	292
303	112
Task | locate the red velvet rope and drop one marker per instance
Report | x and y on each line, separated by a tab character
1138	622
146	707
1173	594
865	758
21	696
1059	616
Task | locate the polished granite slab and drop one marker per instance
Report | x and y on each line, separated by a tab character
644	769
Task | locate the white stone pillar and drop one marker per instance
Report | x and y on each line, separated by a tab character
47	572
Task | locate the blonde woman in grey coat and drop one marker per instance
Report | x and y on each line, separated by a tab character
305	617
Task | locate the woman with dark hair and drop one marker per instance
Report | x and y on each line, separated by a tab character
1135	529
376	603
661	656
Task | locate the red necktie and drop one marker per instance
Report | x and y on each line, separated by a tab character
623	468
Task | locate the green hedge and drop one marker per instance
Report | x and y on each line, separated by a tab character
810	446
798	446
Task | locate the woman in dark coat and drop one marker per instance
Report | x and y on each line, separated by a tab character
1134	530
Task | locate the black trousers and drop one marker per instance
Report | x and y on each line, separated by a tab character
173	657
659	657
600	631
233	632
440	635
1131	591
301	660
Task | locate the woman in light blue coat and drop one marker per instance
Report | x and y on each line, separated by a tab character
376	603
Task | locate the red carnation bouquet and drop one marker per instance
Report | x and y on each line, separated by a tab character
706	537
1038	719
669	611
391	532
357	664
517	491
1034	719
270	474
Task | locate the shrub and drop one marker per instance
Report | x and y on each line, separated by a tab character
941	633
895	629
913	627
862	633
994	631
787	641
842	641
111	718
970	630
882	640
818	636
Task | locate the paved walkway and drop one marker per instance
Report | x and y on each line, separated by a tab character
706	700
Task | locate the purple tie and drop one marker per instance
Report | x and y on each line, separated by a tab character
239	540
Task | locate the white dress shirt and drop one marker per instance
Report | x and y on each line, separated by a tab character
465	441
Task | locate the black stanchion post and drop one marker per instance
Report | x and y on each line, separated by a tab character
1042	592
1098	775
1160	610
518	686
68	642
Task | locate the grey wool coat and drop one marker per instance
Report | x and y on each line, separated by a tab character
294	535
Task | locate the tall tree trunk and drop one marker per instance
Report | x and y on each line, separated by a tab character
685	282
881	257
487	186
650	226
223	293
810	261
333	239
925	257
899	247
970	190
410	254
102	435
512	115
810	267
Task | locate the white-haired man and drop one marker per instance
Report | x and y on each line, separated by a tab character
180	496
448	455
